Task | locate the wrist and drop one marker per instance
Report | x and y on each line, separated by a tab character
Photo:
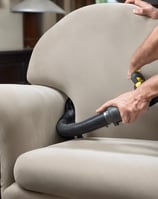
144	94
149	89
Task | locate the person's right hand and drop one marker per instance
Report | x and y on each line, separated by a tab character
144	8
130	104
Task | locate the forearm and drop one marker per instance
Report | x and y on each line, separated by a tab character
147	52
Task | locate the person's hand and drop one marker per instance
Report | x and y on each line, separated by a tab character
144	9
131	106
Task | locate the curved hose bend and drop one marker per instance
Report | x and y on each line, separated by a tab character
66	126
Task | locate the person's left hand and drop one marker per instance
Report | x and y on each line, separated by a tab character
131	106
144	9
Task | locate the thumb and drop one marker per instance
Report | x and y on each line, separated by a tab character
138	11
103	107
130	71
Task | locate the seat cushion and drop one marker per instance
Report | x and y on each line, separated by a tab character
16	192
92	168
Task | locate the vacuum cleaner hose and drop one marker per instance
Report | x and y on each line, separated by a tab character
66	126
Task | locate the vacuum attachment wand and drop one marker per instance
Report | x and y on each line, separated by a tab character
137	78
66	126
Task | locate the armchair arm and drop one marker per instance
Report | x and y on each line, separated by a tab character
28	117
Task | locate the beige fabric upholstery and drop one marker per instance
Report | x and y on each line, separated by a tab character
28	116
14	191
93	168
86	56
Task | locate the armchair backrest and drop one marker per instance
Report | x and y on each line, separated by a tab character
86	56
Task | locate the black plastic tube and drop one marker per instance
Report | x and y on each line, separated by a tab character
66	126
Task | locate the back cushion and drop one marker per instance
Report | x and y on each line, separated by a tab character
87	55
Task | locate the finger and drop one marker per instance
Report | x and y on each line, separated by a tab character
141	3
125	120
129	75
125	117
130	71
138	11
101	109
104	107
141	11
129	1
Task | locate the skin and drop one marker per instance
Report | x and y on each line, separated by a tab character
146	53
134	103
144	8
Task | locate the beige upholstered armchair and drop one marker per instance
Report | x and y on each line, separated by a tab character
86	57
